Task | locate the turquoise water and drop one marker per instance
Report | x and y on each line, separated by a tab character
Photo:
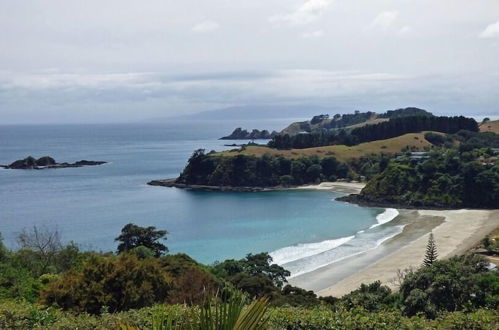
90	205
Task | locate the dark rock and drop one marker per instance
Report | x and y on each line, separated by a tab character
26	163
31	163
88	163
45	161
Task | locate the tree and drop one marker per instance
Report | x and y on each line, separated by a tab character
133	236
3	250
372	297
431	252
44	244
261	264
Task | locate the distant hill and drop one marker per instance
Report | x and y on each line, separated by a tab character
490	126
324	122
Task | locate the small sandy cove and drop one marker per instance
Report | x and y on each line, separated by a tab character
342	187
461	230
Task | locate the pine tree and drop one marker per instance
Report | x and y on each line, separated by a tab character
431	252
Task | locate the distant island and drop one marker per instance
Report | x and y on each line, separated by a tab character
46	162
408	157
242	134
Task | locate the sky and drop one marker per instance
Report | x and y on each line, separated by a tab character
120	60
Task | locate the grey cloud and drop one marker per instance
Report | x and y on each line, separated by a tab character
150	95
122	60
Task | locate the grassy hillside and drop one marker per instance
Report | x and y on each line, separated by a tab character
490	126
372	121
341	152
307	126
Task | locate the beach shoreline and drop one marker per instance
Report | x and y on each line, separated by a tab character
342	187
459	231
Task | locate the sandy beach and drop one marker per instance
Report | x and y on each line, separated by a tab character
455	232
460	231
341	187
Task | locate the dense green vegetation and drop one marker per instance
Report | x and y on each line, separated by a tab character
266	171
310	140
446	179
469	141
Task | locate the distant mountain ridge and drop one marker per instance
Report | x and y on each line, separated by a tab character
256	112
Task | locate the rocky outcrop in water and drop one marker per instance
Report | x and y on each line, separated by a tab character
242	134
31	163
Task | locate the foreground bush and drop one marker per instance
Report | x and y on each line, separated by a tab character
28	316
323	319
116	283
459	283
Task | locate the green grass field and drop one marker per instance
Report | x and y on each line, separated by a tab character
341	152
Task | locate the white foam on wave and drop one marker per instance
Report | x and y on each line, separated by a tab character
299	251
385	217
316	266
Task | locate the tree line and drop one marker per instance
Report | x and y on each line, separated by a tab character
413	124
265	171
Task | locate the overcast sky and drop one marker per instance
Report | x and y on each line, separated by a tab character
120	60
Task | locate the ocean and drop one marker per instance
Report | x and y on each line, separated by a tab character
302	230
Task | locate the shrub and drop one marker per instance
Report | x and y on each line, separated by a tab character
372	297
117	283
434	138
447	285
